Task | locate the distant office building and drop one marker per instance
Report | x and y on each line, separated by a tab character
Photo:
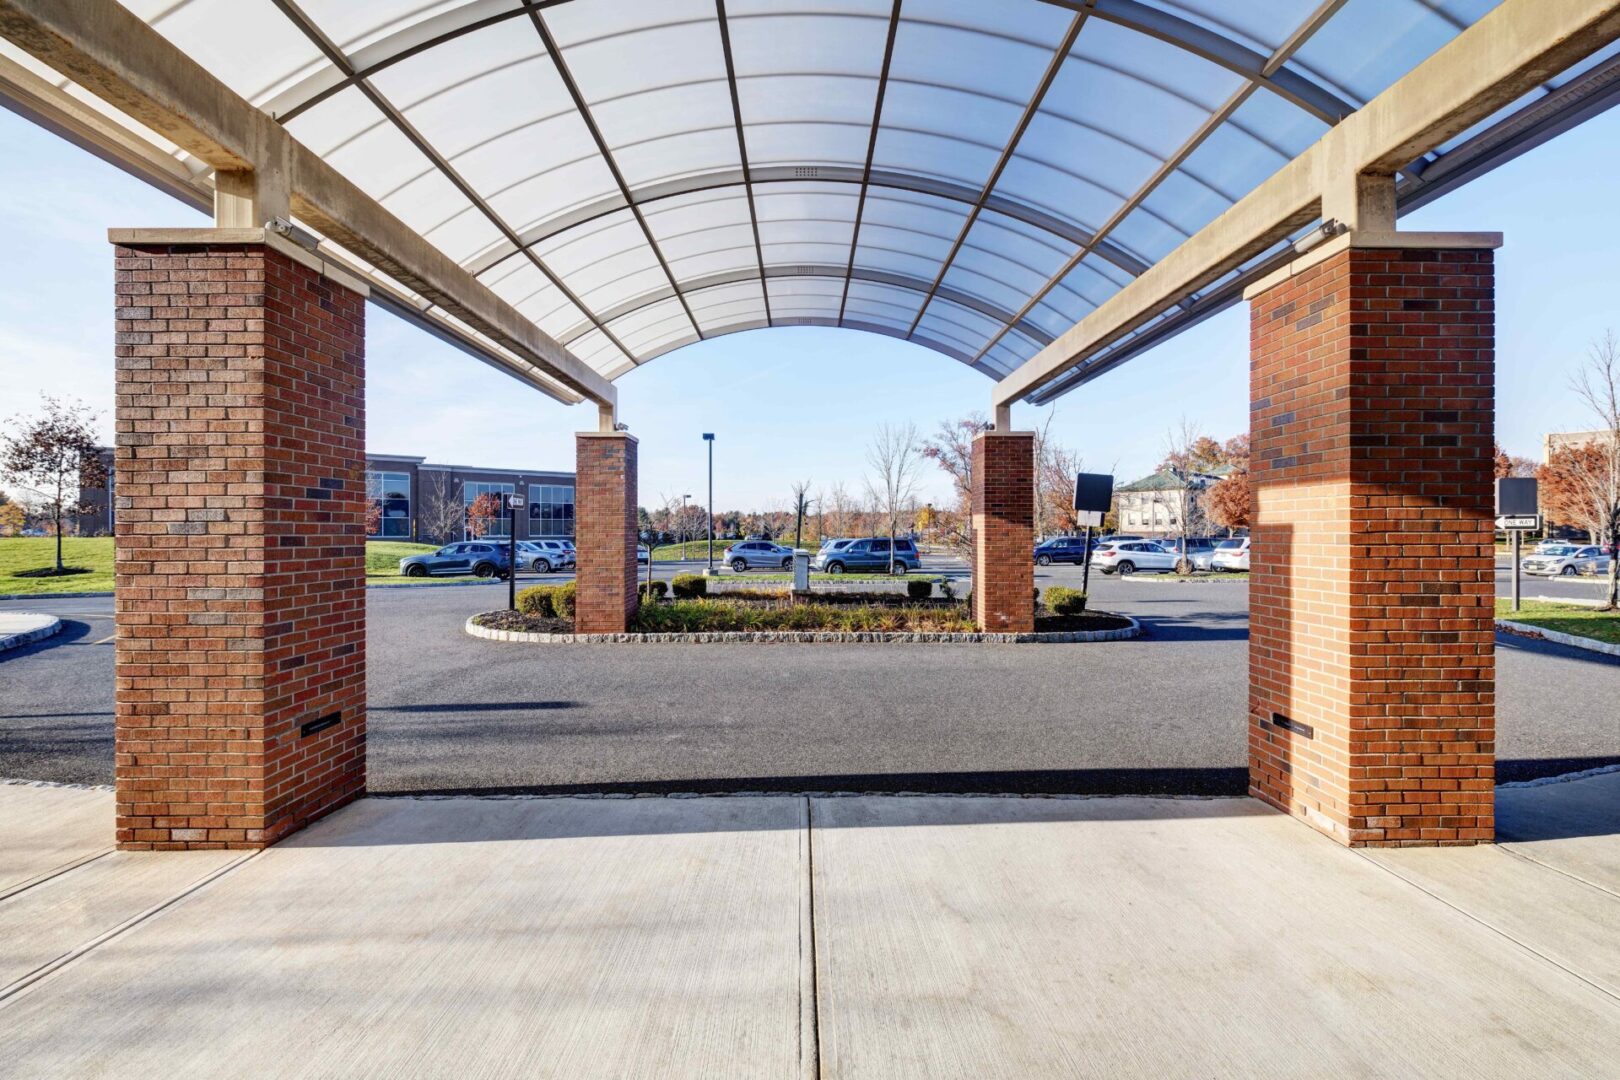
422	501
1562	440
417	500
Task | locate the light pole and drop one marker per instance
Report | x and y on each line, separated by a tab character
708	437
683	525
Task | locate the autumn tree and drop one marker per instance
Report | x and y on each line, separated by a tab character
13	517
1229	503
951	449
1590	474
483	515
53	456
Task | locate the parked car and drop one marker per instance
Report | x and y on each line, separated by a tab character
1200	550
1118	539
643	556
868	556
835	543
758	555
1132	556
1060	549
480	558
1567	561
544	556
1232	554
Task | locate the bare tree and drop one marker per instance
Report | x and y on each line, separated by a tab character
801	490
840	507
53	456
895	456
1189	455
443	513
1597	383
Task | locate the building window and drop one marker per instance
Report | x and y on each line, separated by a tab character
390	494
493	528
551	510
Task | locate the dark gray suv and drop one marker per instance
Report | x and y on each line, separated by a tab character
869	556
480	558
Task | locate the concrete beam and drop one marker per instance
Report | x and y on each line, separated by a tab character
115	55
1509	52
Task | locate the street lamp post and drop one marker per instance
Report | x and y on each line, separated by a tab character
708	437
683	525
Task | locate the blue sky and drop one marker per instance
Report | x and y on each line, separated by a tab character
801	403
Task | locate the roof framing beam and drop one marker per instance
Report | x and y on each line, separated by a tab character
1317	100
1033	106
306	26
871	151
1301	34
742	148
582	107
1509	52
113	54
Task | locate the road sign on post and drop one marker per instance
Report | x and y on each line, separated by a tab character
1093	495
513	501
1518	509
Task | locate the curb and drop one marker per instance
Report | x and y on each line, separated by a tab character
50	595
378	585
808	637
1574	641
28	637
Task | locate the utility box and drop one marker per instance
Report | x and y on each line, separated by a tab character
801	570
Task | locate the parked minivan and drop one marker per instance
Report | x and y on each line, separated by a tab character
868	556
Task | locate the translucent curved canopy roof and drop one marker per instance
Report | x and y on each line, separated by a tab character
976	176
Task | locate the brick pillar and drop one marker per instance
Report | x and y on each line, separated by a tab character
241	670
605	531
1004	531
1371	663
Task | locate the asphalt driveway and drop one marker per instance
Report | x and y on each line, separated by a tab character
452	713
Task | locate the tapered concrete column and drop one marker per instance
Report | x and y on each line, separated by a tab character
1004	531
1372	692
605	531
241	670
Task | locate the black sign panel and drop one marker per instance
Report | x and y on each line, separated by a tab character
1093	492
1516	496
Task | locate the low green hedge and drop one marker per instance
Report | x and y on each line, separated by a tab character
550	601
689	586
718	616
655	589
1062	601
919	590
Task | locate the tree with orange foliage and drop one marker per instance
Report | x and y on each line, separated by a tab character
483	514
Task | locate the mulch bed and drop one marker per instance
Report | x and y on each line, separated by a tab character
1045	622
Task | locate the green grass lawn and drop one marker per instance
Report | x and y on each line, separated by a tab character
19	554
1564	619
22	553
382	558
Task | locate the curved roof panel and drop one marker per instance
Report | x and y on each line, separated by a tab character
633	175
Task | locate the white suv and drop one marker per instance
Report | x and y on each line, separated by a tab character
1232	554
1130	556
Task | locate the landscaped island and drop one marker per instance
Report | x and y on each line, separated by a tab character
549	609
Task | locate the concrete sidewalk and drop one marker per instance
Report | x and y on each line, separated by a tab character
794	937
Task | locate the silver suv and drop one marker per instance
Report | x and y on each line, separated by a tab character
758	555
544	556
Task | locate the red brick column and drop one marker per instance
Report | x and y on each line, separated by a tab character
1004	531
605	531
1372	671
241	670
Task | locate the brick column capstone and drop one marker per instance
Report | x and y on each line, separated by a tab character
605	531
1004	531
240	545
1371	655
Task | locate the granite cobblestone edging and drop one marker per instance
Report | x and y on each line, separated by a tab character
810	637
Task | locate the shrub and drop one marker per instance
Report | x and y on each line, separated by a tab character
653	590
1037	596
563	599
710	616
919	590
1062	601
689	586
537	600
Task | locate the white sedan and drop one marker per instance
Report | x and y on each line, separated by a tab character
1567	561
1128	557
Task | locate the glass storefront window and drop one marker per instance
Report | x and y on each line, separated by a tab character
496	526
551	510
390	492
